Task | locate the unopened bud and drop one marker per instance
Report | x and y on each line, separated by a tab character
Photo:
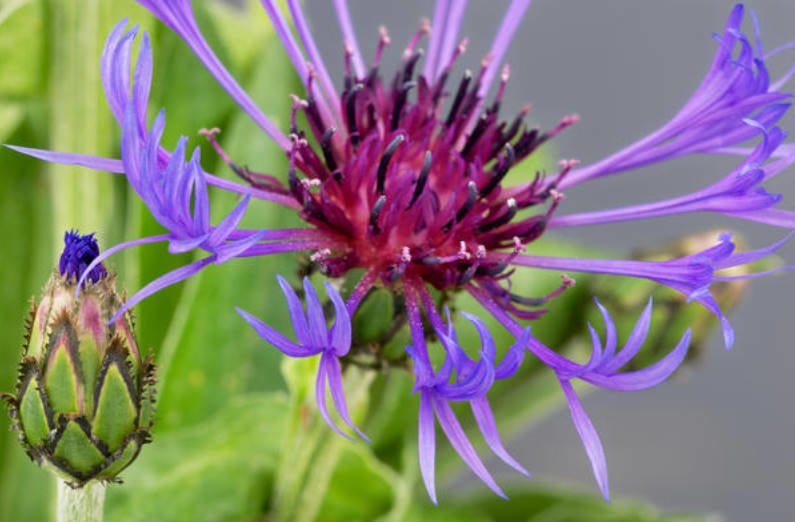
84	399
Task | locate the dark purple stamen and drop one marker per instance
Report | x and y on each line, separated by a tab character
79	251
383	165
503	218
472	194
500	171
375	213
350	107
423	177
325	144
459	97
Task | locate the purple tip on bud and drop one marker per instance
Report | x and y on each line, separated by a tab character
78	252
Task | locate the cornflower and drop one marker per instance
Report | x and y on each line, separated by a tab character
403	176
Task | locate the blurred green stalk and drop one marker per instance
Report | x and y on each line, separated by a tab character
79	118
79	122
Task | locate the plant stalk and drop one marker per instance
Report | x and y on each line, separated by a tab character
80	504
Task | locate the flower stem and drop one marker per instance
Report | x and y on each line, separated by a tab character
80	504
80	120
311	452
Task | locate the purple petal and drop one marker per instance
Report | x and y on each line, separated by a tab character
320	395
179	16
334	375
476	384
432	65
143	78
426	444
341	330
423	373
451	27
270	335
112	250
237	248
513	357
168	279
647	377
611	338
634	342
510	22
458	439
489	351
201	201
344	18
179	246
488	427
222	231
314	316
305	33
589	437
116	100
300	326
745	258
418	351
543	352
72	158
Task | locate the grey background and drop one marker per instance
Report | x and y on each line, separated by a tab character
718	438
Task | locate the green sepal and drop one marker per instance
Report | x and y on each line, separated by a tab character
74	452
115	397
148	395
34	413
123	457
33	340
123	334
62	369
89	360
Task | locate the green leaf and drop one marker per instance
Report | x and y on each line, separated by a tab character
11	115
25	215
21	27
361	488
216	470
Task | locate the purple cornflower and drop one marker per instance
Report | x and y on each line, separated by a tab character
404	178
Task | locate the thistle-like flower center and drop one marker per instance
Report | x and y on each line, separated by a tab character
407	178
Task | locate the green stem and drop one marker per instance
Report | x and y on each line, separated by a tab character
310	454
80	119
80	504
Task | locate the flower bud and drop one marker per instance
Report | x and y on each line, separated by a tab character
84	399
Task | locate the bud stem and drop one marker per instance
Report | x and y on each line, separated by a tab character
80	504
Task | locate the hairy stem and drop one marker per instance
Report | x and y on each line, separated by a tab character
80	504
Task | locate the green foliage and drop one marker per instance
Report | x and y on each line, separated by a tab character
219	469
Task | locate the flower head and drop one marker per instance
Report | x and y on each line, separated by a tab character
402	175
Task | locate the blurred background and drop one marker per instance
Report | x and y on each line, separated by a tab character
716	438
